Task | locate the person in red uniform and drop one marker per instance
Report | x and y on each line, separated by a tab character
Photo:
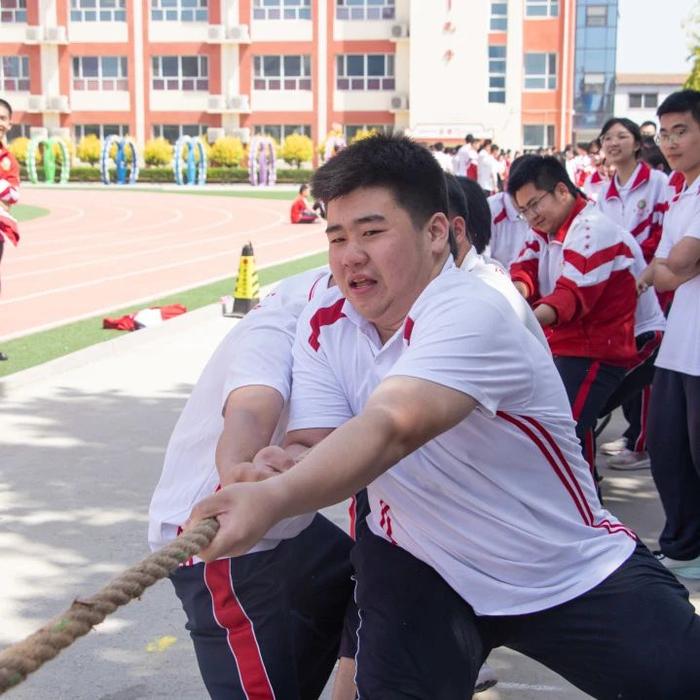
9	185
575	270
301	212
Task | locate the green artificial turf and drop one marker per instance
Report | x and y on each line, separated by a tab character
25	212
37	348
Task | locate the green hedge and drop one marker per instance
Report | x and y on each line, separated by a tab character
88	173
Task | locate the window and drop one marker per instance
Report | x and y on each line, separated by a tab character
596	15
540	71
13	11
497	74
350	130
542	8
499	16
538	135
282	9
282	73
643	100
372	71
98	10
100	73
179	10
279	132
14	73
365	9
180	73
172	132
17	130
102	131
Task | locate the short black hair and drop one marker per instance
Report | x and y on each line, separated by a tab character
681	101
6	105
628	124
651	154
302	187
648	122
403	166
469	138
479	213
544	172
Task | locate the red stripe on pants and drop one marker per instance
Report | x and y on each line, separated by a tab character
231	616
641	443
585	389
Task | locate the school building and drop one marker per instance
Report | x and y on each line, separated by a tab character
438	69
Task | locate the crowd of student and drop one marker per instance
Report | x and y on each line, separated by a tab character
455	360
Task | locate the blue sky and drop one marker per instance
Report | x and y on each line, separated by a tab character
651	37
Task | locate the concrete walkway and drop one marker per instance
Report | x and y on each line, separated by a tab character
81	446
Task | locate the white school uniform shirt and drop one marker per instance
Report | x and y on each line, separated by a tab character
486	171
639	204
495	275
594	186
444	160
680	348
257	351
508	231
502	505
465	155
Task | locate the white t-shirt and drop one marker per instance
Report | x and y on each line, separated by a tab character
486	171
508	231
257	351
444	160
494	274
465	156
680	348
502	506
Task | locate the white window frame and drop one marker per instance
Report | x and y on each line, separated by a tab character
281	9
200	82
193	130
351	83
547	131
21	80
283	130
548	79
13	15
365	10
179	11
100	130
98	10
541	9
119	82
647	100
497	74
590	13
498	21
265	79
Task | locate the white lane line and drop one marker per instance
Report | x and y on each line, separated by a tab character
527	686
143	300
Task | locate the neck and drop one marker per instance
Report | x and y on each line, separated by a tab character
625	170
692	174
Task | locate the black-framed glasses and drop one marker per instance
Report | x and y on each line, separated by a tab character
533	209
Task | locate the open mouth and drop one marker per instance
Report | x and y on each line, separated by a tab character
360	283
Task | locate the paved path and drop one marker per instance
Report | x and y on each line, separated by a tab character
81	444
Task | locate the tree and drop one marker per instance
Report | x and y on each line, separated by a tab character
692	25
89	149
227	151
158	152
362	134
19	148
297	149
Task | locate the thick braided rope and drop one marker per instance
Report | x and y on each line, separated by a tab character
25	657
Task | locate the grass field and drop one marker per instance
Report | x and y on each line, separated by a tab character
38	348
25	212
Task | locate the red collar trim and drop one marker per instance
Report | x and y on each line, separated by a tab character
579	205
596	178
643	175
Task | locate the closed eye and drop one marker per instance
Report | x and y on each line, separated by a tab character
373	232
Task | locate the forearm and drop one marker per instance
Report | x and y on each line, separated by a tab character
666	280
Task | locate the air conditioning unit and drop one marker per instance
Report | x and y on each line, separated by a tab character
399	31
33	34
238	34
399	102
55	35
242	134
216	33
58	103
216	103
239	103
35	104
214	133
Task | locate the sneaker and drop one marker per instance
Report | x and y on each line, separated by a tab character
686	568
627	460
3	357
612	448
486	679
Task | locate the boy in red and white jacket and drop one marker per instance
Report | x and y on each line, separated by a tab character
575	269
9	185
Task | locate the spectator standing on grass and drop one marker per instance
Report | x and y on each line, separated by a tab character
9	185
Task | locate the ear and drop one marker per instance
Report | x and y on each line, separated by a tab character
438	229
459	227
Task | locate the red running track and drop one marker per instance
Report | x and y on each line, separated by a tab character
106	248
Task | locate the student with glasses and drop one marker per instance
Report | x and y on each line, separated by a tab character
575	270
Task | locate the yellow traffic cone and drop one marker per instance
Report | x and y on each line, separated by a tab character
247	292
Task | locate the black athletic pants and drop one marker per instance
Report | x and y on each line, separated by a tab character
674	448
268	625
635	636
